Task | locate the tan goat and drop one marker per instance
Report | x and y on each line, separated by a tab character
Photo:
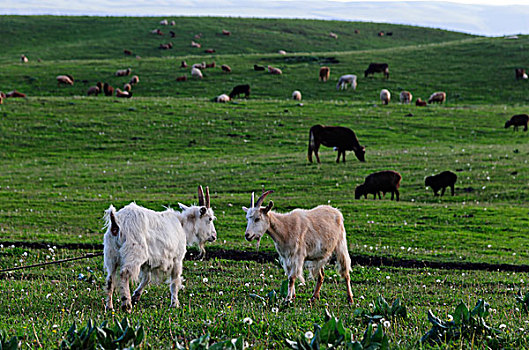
302	238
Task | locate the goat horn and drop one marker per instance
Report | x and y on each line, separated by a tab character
207	197
200	196
262	198
252	200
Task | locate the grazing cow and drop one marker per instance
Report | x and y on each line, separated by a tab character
420	103
226	68
441	181
258	68
377	68
64	80
296	95
520	73
325	72
349	79
437	97
385	96
240	89
405	97
518	120
382	181
343	139
182	78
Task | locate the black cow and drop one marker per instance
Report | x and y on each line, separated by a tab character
518	120
344	139
377	68
441	182
240	89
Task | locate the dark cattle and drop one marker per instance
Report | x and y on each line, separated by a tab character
344	139
127	52
172	34
109	90
324	73
258	68
383	181
377	68
389	33
519	73
441	182
240	89
518	120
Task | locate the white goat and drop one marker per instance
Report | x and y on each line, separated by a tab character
143	243
302	237
385	96
346	79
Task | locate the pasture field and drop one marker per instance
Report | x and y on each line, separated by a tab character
66	157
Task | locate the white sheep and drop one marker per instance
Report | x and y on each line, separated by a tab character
24	59
302	238
296	95
123	72
385	96
405	97
222	98
275	71
195	72
64	79
345	80
164	22
145	244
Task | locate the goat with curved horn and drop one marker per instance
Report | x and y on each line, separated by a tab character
207	197
302	237
200	196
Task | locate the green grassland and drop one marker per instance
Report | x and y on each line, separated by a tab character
66	157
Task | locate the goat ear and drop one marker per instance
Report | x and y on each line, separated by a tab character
183	206
203	211
269	207
245	209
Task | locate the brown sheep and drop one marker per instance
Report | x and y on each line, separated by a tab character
441	181
182	78
134	80
420	103
382	181
93	90
209	50
226	32
15	94
325	72
183	64
108	90
211	65
226	68
437	97
518	120
166	46
275	71
405	97
125	94
127	87
64	80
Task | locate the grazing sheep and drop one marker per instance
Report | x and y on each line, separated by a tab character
142	243
303	238
182	78
282	52
420	103
381	33
325	73
183	64
194	44
127	87
166	46
275	71
156	31
172	34
211	65
134	80
198	36
385	96
93	90
519	73
333	35
173	23
518	120
123	72
64	80
222	98
296	95
108	89
382	181
441	181
15	94
195	72
1	100
127	52
209	50
226	32
164	22
225	68
377	68
438	97
123	94
240	89
344	80
258	68
343	139
24	59
405	97
199	65
2	94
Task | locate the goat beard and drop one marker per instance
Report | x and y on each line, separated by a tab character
258	243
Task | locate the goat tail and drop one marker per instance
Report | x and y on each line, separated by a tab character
110	220
342	255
